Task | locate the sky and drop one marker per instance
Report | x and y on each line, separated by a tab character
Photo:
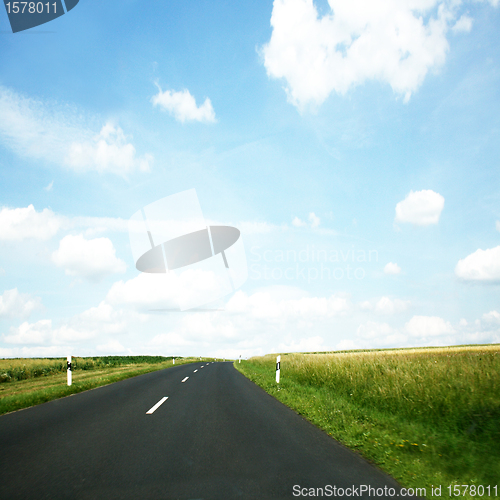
355	145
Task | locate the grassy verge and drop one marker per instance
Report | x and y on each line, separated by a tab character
425	416
42	380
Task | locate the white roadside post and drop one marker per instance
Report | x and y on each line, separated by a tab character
239	359
69	370
173	361
278	360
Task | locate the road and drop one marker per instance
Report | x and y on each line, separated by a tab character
217	436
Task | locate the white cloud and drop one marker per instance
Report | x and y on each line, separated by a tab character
347	345
314	219
309	344
182	105
146	290
7	353
17	224
392	268
92	323
49	186
50	132
185	289
387	306
96	225
298	223
91	259
418	331
171	340
428	326
107	151
372	330
482	265
429	330
42	332
111	347
492	317
420	208
271	320
464	24
31	333
392	41
17	305
103	319
366	305
266	305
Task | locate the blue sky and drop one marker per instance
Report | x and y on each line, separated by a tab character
354	144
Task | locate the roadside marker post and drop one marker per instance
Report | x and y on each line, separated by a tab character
173	361
239	361
70	381
278	361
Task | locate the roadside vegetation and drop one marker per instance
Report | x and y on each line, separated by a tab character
26	382
428	417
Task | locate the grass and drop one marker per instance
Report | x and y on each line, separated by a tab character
26	382
425	416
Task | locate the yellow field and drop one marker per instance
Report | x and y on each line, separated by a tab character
29	362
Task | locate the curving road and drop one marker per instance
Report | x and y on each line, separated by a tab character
217	436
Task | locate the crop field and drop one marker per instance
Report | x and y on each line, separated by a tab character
429	417
25	382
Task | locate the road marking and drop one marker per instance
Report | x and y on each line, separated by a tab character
195	371
157	405
184	379
202	367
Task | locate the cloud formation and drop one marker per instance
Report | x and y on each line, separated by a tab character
428	326
91	259
107	151
420	208
17	305
182	105
17	224
481	266
418	331
392	268
57	134
393	42
314	221
97	322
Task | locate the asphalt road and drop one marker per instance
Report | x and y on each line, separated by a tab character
217	436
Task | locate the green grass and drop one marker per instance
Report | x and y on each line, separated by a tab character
25	368
27	382
425	416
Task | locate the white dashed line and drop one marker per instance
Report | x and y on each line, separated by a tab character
202	367
184	379
156	406
195	371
